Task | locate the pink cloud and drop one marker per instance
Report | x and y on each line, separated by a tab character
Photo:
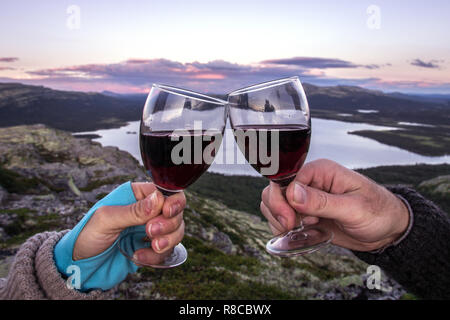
135	75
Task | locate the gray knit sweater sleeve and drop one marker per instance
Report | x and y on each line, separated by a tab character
33	274
421	261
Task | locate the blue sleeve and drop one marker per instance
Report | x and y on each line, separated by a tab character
110	267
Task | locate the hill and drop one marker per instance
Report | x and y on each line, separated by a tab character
80	111
48	180
388	108
66	110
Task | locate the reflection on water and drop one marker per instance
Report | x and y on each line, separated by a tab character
329	140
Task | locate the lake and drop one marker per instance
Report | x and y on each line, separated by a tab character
330	139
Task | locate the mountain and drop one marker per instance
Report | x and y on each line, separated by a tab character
436	98
66	110
140	97
81	111
326	102
48	180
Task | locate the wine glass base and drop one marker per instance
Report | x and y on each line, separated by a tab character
136	240
299	242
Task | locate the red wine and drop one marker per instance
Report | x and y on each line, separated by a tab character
293	144
165	170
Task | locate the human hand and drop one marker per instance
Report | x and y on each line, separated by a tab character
363	215
166	230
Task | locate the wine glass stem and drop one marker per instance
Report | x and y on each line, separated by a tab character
298	229
167	194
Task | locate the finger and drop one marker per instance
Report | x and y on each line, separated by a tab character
142	189
317	203
270	218
274	230
116	218
161	225
328	176
148	256
174	205
309	220
275	200
167	242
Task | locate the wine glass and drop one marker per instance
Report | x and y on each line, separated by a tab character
272	127
180	134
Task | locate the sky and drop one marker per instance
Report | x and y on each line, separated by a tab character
218	46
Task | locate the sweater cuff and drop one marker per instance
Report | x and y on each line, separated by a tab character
420	261
33	274
106	269
51	281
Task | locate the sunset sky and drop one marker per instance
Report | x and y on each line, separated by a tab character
217	46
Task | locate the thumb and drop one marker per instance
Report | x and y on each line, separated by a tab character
113	219
314	202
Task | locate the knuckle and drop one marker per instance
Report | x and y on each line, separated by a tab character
265	194
262	207
183	198
179	235
136	211
277	208
182	228
176	222
322	201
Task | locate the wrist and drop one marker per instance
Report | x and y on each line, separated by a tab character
402	221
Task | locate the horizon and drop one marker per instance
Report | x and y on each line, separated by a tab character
125	47
105	92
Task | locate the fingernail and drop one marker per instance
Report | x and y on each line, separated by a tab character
154	229
161	244
174	209
282	221
152	202
299	194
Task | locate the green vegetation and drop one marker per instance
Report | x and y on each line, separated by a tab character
16	183
236	192
425	141
408	175
211	274
94	184
27	223
408	296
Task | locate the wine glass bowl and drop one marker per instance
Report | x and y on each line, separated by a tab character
180	134
177	128
272	127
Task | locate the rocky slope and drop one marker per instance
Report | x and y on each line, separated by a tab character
50	179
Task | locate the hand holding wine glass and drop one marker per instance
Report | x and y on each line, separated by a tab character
180	134
163	219
272	127
363	215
